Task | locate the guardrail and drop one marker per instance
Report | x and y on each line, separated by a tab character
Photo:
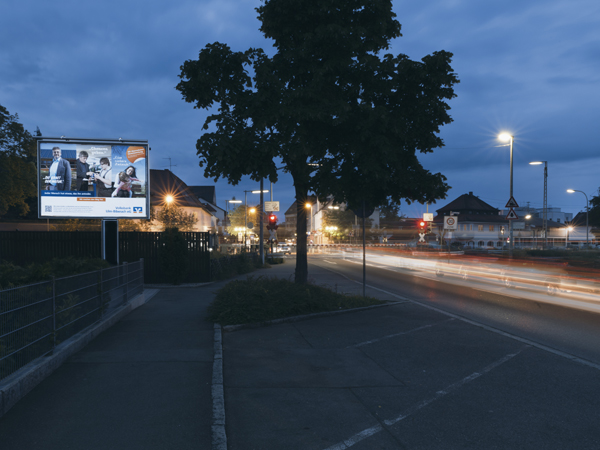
34	319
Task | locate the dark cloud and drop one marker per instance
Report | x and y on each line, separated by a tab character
109	69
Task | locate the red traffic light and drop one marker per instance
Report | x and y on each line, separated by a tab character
272	219
421	225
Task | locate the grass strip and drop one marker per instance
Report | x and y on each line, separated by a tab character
262	299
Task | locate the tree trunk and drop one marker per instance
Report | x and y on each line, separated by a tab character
301	257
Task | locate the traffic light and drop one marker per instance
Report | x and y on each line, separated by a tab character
272	222
421	225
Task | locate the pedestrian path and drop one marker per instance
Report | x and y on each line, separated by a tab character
145	384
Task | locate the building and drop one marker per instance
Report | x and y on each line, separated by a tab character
164	183
207	195
315	218
480	225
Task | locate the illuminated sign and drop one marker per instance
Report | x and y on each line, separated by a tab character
93	179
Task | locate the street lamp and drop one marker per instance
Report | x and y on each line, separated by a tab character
569	229
587	209
227	202
309	205
537	163
507	137
246	210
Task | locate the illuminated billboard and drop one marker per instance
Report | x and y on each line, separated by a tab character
93	179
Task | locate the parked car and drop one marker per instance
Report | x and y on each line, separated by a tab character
284	249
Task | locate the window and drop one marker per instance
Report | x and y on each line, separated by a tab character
480	243
490	244
480	228
498	244
492	229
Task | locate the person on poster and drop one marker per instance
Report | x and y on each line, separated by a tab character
82	170
59	177
103	179
126	178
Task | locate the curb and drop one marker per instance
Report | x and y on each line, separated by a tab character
219	436
243	326
17	385
176	286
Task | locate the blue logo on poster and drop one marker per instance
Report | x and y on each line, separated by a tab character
137	209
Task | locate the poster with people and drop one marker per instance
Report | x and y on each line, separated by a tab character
93	179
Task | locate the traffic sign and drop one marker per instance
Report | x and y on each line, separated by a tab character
428	217
512	215
450	223
512	203
271	206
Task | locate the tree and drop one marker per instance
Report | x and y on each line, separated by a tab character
172	216
344	120
594	212
17	164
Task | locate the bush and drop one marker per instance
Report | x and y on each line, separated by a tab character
12	275
231	266
173	255
261	299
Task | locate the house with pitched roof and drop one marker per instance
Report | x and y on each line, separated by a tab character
480	225
164	183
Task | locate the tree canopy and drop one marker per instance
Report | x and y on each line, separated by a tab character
344	120
17	164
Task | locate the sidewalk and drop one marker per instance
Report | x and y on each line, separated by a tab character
392	377
145	383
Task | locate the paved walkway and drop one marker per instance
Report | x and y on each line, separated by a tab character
394	377
145	384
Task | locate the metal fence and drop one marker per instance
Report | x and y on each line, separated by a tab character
34	319
26	247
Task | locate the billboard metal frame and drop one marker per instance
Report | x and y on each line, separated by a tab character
88	141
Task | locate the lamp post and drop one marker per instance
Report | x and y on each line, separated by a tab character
246	210
309	205
507	137
587	209
227	202
536	163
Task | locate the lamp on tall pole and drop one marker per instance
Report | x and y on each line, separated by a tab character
587	209
227	202
536	163
507	137
258	191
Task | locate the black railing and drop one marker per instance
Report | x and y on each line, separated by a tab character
34	319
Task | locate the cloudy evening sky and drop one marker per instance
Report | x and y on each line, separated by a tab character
109	69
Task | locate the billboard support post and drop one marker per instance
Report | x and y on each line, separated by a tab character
110	241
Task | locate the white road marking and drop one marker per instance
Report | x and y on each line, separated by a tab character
356	438
396	334
377	428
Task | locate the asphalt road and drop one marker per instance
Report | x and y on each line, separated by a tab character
550	321
407	376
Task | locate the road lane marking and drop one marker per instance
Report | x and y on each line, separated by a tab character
439	394
481	325
397	334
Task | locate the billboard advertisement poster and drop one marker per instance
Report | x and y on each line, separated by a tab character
93	179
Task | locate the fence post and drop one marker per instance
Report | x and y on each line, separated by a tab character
126	270
100	293
142	272
53	312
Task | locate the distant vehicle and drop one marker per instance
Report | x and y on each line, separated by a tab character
284	249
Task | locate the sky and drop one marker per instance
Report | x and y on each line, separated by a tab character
532	68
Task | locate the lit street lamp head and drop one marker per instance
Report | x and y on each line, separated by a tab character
570	191
536	163
505	137
169	199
